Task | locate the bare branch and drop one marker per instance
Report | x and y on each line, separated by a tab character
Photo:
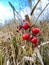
35	7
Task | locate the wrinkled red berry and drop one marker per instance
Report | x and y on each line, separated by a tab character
18	28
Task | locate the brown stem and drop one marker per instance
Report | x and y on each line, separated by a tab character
34	7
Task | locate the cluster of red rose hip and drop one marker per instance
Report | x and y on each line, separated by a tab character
26	36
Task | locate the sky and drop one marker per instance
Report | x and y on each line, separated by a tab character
6	12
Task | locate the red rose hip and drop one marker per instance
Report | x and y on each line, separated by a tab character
25	25
35	30
25	36
34	40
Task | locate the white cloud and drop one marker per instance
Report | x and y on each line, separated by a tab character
5	13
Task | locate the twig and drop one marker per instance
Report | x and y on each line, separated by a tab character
34	7
42	44
41	12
